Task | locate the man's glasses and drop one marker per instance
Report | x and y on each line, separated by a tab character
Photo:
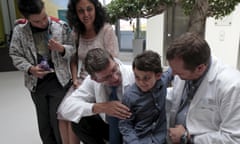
115	70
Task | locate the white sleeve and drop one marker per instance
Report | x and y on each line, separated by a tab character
79	103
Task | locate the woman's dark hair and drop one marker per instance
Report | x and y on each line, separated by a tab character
29	7
77	25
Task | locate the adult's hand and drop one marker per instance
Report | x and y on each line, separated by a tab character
113	108
76	83
176	133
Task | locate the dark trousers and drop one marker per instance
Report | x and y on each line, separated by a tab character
47	97
91	130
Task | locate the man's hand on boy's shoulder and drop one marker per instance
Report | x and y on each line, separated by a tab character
112	108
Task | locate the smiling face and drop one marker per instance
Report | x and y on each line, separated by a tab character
39	20
86	12
145	80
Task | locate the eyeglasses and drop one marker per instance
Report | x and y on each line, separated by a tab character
115	70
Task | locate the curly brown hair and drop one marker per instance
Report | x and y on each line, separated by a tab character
77	25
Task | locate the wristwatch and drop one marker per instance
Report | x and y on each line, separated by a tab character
184	138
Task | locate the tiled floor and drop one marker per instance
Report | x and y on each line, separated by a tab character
126	57
18	124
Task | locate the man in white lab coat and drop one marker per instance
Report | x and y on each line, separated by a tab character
89	104
205	98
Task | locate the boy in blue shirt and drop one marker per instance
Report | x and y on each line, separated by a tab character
146	100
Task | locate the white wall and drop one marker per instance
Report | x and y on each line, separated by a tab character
155	34
223	37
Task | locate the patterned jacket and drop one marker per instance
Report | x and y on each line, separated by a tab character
24	53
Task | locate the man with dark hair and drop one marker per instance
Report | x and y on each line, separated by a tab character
93	106
205	98
41	47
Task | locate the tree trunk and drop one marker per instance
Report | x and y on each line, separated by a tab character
198	17
138	28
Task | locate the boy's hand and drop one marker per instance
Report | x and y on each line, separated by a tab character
38	72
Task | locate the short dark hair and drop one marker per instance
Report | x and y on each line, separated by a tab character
191	48
77	25
97	60
29	7
148	61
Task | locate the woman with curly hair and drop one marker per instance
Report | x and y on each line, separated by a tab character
89	22
91	29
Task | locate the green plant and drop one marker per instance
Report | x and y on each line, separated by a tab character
216	8
198	10
129	9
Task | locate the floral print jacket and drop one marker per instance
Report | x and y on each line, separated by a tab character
24	53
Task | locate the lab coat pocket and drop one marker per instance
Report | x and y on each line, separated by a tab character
205	112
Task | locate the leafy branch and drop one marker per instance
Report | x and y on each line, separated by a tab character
129	9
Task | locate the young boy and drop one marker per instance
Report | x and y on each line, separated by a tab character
41	47
146	100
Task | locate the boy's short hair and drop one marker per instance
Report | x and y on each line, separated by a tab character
29	7
148	61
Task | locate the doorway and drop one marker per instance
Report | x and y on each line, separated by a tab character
7	18
176	23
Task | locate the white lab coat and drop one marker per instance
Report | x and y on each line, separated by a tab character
214	113
80	103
